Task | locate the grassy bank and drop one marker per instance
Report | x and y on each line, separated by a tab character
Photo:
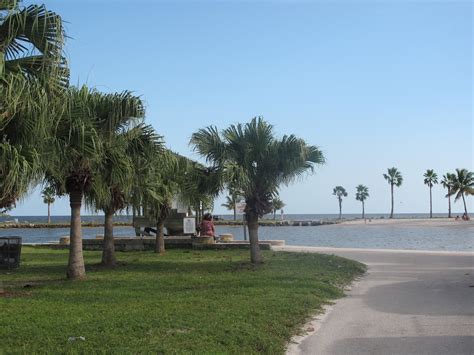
183	302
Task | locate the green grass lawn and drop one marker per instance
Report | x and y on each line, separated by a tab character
183	302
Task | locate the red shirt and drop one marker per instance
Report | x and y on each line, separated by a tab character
207	228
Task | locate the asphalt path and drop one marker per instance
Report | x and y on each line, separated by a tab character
409	302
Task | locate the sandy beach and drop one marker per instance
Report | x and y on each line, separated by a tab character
415	222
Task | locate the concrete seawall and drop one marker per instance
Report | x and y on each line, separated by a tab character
140	244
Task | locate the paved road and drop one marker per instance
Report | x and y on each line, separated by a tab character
408	303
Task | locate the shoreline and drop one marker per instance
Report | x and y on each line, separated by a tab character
417	222
326	250
58	225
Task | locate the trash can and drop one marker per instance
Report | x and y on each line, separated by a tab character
10	252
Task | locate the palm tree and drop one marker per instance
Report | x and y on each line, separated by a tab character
277	204
431	178
31	69
48	194
124	138
229	204
362	193
394	178
447	182
231	200
160	178
339	192
75	151
163	187
154	188
463	185
258	162
199	186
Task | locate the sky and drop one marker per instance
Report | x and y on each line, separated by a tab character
374	84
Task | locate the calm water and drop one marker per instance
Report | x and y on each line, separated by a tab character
453	238
291	217
457	237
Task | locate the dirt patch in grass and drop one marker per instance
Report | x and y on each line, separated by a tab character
11	294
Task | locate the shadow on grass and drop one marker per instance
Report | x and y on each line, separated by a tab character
56	267
173	266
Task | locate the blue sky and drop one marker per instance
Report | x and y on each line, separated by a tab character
373	84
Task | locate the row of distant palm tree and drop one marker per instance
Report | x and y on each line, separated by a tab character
362	193
459	184
234	197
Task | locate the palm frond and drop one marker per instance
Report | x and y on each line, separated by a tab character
32	39
252	160
208	143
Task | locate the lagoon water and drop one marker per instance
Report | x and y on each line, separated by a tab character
290	217
455	237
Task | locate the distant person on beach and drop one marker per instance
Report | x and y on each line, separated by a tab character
457	218
465	217
207	228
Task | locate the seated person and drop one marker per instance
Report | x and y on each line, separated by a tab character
207	226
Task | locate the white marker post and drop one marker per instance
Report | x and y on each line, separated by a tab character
240	207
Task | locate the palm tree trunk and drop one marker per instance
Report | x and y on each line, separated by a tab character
160	237
464	201
108	252
255	254
49	212
340	208
75	269
449	202
274	214
431	204
391	212
235	212
198	214
363	210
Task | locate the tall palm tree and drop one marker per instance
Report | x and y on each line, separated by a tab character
447	182
339	192
31	69
258	162
230	204
232	199
159	180
394	178
431	178
277	204
163	186
463	185
124	137
75	150
48	195
362	193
